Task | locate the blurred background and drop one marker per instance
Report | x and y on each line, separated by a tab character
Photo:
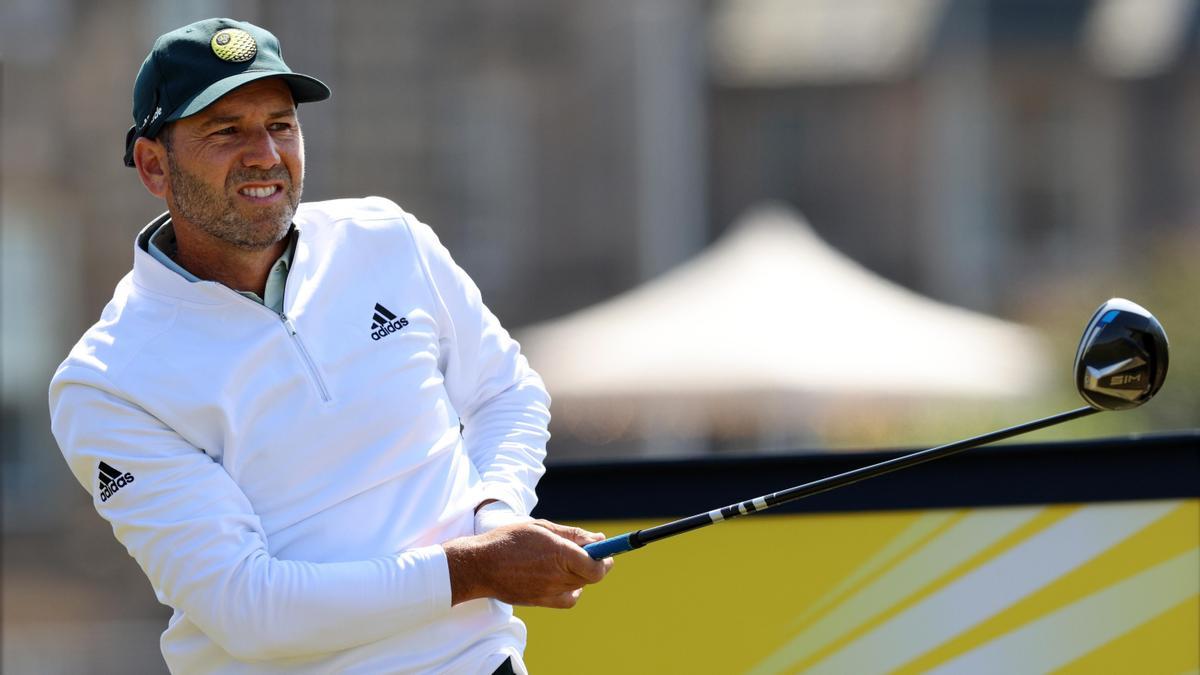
717	226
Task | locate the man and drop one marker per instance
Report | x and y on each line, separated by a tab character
268	411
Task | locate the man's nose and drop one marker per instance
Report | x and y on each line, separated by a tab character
261	151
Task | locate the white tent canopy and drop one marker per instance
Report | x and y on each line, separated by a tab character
767	324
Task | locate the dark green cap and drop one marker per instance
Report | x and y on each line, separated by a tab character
191	67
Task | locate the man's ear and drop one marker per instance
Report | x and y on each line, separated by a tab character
150	158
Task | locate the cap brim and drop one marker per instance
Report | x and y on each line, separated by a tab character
305	89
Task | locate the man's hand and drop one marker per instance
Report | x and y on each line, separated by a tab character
537	563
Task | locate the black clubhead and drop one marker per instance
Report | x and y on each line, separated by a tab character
1122	359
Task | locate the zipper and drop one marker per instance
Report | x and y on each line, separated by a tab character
290	327
308	360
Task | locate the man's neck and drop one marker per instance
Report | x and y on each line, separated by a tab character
214	260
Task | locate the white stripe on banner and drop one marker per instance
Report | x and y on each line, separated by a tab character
715	515
1075	630
975	532
993	586
922	527
760	503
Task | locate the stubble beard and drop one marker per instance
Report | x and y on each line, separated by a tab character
218	214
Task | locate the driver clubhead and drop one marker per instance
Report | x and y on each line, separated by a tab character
1122	358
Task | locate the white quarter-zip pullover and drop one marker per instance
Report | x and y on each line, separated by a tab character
286	479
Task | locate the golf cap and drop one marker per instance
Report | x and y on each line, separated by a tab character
191	67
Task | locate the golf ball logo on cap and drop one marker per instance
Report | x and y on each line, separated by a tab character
234	45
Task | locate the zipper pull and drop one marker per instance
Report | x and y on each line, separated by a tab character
288	323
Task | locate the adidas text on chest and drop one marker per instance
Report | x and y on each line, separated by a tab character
384	323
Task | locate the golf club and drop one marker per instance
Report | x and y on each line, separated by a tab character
1120	364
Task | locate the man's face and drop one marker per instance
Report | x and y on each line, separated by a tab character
236	168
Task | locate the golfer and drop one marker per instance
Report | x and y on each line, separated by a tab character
300	419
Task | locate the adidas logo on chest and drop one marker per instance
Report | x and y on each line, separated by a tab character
384	323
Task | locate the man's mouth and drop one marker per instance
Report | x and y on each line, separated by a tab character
259	191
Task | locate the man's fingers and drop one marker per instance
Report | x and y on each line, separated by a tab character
582	565
605	565
576	534
578	562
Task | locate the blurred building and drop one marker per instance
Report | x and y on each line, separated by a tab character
966	148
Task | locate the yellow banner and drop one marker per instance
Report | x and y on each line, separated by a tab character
1090	588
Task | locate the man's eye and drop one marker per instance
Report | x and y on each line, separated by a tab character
281	126
227	131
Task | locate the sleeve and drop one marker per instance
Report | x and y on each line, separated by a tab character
196	536
497	514
502	402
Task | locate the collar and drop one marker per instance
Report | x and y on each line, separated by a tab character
160	275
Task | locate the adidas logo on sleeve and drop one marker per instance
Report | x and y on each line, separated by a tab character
112	480
384	323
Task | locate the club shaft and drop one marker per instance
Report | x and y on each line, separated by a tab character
640	538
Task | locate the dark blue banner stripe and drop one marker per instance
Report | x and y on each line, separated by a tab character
1115	469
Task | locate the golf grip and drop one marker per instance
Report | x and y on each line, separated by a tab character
639	538
612	546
